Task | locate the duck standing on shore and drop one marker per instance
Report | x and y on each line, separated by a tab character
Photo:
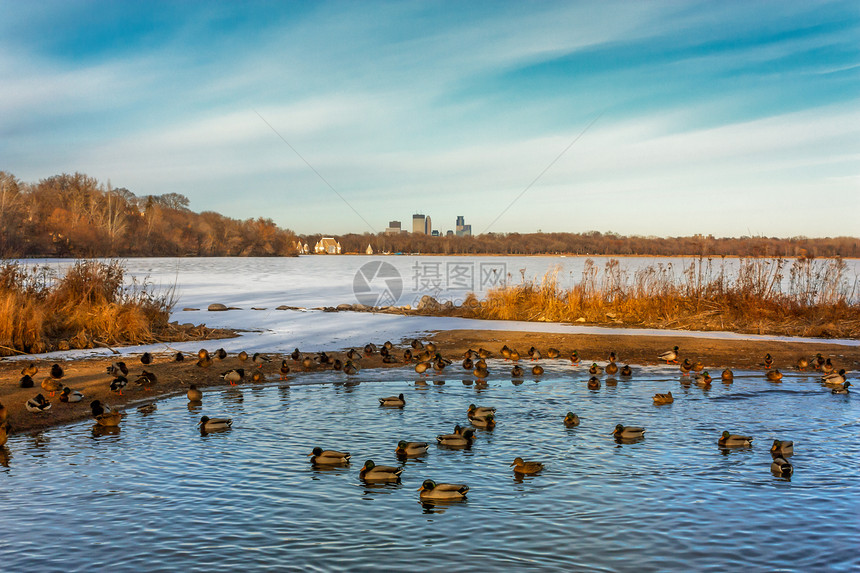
670	355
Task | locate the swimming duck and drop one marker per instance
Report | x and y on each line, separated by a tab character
517	371
664	398
147	408
421	367
409	449
611	368
481	363
109	419
220	354
146	358
728	440
782	448
727	375
30	369
571	420
574	358
841	389
372	472
70	396
595	370
537	370
52	386
457	439
258	376
802	363
208	424
670	355
526	468
321	457
774	375
487	422
38	404
259	359
768	360
593	383
626	370
686	366
481	372
478	411
57	372
233	376
834	378
242	356
703	379
781	467
178	357
26	382
393	401
285	369
628	432
468	364
194	395
430	490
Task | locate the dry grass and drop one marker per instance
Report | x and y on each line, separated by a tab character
807	297
90	303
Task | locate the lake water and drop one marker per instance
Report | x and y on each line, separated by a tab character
159	496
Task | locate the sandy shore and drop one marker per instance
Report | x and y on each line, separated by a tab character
90	377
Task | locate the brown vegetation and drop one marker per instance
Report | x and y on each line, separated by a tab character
76	216
817	299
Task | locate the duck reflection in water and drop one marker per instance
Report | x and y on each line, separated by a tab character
99	431
195	406
5	456
234	396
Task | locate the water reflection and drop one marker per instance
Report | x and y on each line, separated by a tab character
194	406
99	431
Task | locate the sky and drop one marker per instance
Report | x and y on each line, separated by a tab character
641	118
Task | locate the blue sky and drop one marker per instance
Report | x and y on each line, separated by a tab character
730	118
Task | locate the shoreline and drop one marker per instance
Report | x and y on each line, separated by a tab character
89	375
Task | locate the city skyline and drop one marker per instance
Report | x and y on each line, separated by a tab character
659	118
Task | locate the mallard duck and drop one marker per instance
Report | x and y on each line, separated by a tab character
323	457
468	364
194	395
612	368
259	359
552	352
257	376
203	353
233	376
439	365
284	370
727	375
802	363
146	379
407	355
307	363
595	370
369	349
30	369
26	382
517	371
117	369
372	472
220	354
537	370
571	420
484	353
834	378
574	358
242	356
52	386
728	440
479	411
774	375
593	383
430	490
337	365
109	419
781	467
146	358
481	363
526	468
98	408
828	367
457	439
416	344
57	372
147	408
481	372
421	367
768	360
487	422
626	370
207	424
393	401
178	357
515	356
204	362
118	383
782	448
819	361
409	449
38	404
703	379
350	368
535	354
628	432
698	366
686	367
841	389
70	396
670	355
387	345
664	398
431	348
505	352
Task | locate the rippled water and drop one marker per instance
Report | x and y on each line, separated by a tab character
159	496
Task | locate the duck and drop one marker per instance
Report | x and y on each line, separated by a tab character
670	355
38	404
439	365
220	354
118	383
421	367
484	353
242	356
828	367
233	376
370	349
57	372
109	419
146	379
26	381
481	372
70	396
207	424
537	370
686	366
628	432
205	361
612	356
372	472
194	394
468	364
456	439
203	353
571	420
258	376
612	368
819	361
727	375
834	378
407	355
337	365
781	467
350	368
259	359
535	354
52	386
4	435
146	358
552	352
703	379
841	389
774	375
30	369
782	448
98	408
802	363
517	371
285	369
664	398
147	408
728	440
179	357
515	356
409	449
505	352
321	457
595	370
487	422
593	383
768	360
307	363
393	401
432	491
698	366
479	411
526	468
626	370
574	358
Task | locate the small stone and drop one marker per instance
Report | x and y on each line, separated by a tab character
188	309
217	307
343	307
257	308
580	319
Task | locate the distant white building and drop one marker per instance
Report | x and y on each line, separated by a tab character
369	250
327	246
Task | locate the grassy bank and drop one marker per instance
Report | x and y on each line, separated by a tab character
803	297
89	305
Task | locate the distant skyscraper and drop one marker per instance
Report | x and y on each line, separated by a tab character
419	224
428	228
393	228
463	230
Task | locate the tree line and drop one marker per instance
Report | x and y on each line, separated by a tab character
78	216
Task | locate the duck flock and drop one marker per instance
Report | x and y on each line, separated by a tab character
426	358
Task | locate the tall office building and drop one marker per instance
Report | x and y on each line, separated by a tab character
428	228
419	224
393	228
462	229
